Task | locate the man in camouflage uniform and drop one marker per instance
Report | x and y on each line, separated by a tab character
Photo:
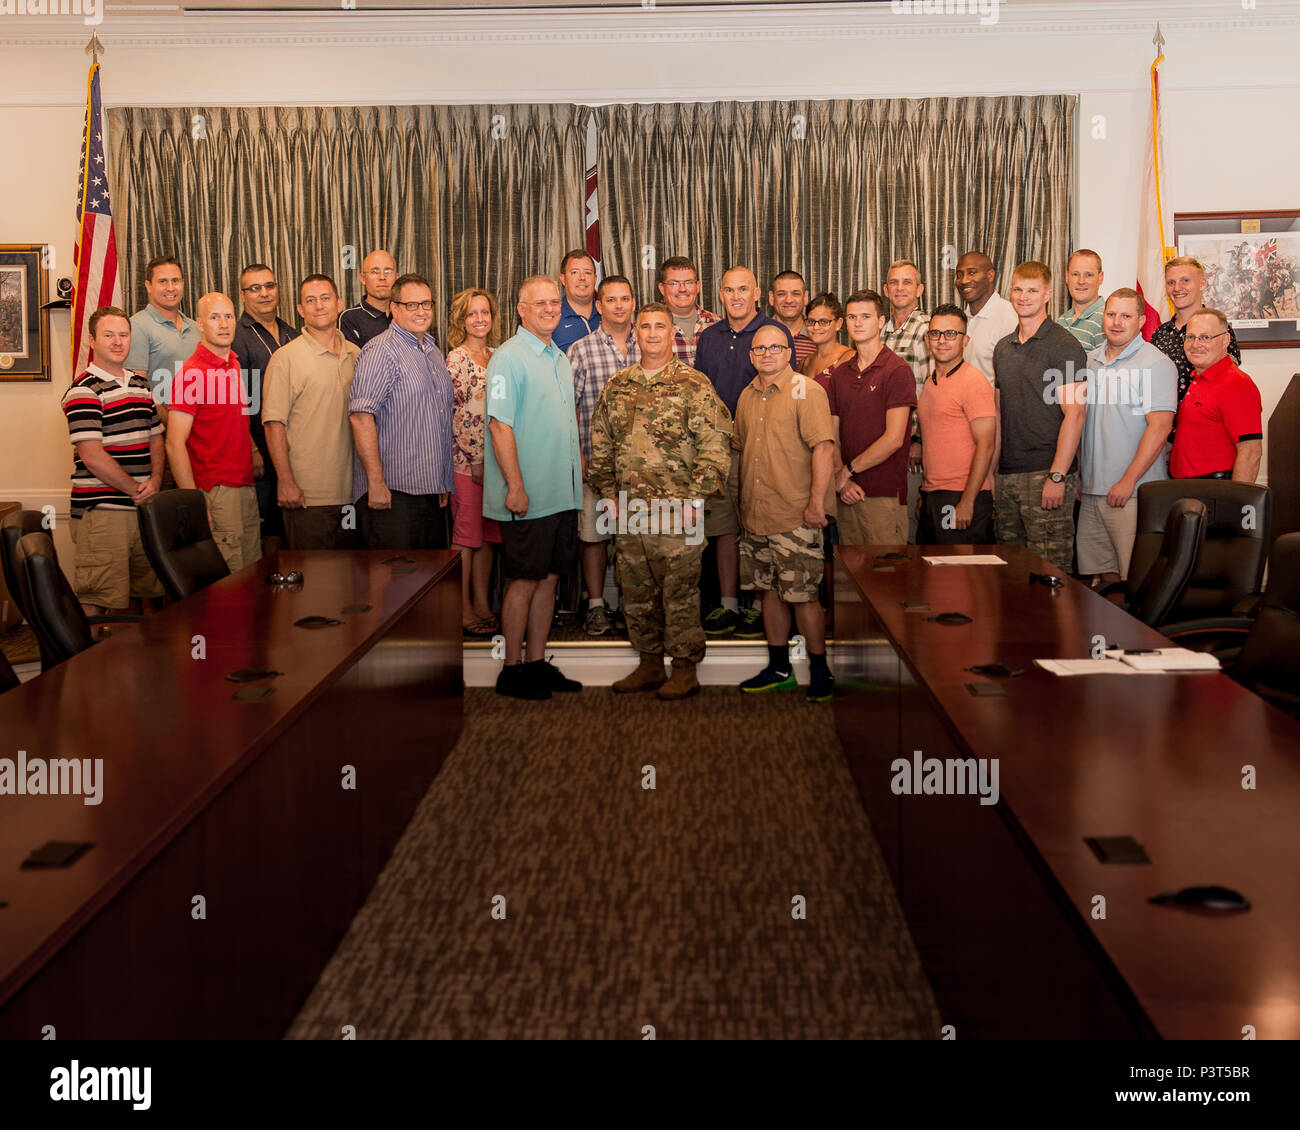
660	445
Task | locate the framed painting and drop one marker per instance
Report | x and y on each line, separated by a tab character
24	326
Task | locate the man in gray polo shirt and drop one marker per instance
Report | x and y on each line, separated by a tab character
1132	398
1039	380
162	338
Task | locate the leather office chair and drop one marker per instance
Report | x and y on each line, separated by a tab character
55	614
1166	580
1268	661
1231	564
8	680
178	542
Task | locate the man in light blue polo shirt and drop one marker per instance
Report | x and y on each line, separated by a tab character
1132	397
533	472
162	338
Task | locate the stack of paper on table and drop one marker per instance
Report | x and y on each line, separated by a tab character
1170	659
966	559
1085	667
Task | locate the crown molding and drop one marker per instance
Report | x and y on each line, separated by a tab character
166	27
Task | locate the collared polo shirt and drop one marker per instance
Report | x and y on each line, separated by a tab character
594	359
1171	339
861	398
121	415
684	347
254	344
307	390
1028	377
775	432
1120	394
996	319
363	322
211	389
159	349
573	327
908	341
1086	327
949	405
722	355
1221	409
530	388
403	383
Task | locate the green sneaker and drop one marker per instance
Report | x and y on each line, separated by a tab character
751	624
821	688
769	679
721	622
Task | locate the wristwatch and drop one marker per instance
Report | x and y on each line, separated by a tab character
1056	476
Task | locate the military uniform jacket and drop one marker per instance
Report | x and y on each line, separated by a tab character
661	437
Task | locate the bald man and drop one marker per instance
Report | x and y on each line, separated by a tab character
208	442
989	316
373	314
722	353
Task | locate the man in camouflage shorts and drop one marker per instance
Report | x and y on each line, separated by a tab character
660	445
784	434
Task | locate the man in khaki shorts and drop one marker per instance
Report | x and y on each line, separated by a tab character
783	433
118	462
208	442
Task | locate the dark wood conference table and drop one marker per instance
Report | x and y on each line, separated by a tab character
240	802
1002	899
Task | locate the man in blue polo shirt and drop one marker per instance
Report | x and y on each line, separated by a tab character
578	313
532	484
162	338
722	355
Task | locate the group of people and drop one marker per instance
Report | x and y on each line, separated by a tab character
658	428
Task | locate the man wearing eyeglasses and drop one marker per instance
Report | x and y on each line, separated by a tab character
959	421
679	286
400	409
784	435
371	316
1220	433
260	333
872	396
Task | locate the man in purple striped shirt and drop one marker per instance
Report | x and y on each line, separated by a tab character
401	414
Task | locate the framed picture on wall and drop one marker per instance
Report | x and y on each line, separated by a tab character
24	326
1252	271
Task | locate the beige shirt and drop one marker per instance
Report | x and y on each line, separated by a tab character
776	428
306	389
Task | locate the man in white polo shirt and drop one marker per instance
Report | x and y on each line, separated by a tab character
989	316
308	433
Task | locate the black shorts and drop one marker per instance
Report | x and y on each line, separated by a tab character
533	548
933	529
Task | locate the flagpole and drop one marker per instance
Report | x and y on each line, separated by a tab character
1159	42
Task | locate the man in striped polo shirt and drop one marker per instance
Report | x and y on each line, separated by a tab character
401	412
117	462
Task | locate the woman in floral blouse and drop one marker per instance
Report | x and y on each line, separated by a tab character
474	332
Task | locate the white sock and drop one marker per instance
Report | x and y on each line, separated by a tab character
731	603
595	602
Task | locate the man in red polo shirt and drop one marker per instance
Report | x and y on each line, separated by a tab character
1220	430
872	395
208	441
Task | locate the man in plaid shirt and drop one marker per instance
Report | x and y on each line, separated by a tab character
595	358
679	286
904	333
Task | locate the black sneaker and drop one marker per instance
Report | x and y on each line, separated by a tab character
821	687
520	680
549	677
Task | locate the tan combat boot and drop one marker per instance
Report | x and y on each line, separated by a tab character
648	675
683	683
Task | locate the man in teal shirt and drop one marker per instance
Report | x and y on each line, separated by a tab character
532	484
162	338
1083	276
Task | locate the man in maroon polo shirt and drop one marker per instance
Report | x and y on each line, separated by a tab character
1220	430
208	442
871	396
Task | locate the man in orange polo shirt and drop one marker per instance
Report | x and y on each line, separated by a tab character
1220	429
959	423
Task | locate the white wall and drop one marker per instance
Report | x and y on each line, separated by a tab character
1229	84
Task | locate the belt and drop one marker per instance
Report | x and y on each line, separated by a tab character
1215	475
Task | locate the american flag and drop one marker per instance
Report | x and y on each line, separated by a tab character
96	251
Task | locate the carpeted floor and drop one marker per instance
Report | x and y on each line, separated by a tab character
627	907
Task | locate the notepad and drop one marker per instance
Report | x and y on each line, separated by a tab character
1085	667
1172	659
967	559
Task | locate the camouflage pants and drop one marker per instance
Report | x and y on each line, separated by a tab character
1021	519
659	575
